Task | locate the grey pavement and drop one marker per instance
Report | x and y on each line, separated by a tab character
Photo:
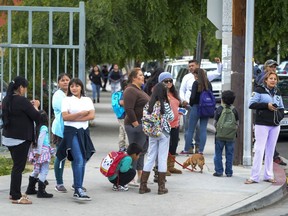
190	193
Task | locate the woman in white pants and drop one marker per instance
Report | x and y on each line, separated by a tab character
158	146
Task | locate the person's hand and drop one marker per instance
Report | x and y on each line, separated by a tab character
271	107
36	156
184	104
35	103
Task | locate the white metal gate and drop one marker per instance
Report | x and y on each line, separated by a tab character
42	63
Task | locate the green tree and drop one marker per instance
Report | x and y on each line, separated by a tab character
270	29
121	30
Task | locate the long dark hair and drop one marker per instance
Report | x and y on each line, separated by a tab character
159	93
174	92
6	106
202	80
153	80
42	121
76	81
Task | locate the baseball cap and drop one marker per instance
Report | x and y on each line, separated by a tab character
270	62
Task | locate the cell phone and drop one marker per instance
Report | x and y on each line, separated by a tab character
275	105
182	111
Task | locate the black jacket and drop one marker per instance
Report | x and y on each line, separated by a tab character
87	147
19	121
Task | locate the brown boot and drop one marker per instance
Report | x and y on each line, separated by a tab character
168	173
171	164
143	185
161	183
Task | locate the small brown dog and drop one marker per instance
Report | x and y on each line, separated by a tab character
194	160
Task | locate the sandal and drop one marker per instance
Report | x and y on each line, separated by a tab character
249	181
270	180
23	200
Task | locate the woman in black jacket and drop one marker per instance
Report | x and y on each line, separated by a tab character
19	115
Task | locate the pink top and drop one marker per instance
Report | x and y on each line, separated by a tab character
174	103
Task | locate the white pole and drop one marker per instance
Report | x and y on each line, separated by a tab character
248	82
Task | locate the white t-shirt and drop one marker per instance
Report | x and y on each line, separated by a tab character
186	87
72	105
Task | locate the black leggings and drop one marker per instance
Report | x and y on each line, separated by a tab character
174	139
19	157
124	178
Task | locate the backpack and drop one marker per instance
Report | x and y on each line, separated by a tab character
117	108
226	126
109	163
207	104
152	122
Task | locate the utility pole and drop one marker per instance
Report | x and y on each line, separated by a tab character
237	76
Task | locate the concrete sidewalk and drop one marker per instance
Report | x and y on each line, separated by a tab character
189	194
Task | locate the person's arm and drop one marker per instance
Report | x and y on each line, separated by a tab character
130	97
57	100
193	93
217	114
30	109
182	89
168	111
40	142
84	115
255	104
91	76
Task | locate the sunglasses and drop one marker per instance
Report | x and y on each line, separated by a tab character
168	80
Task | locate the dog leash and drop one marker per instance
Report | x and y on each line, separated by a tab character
169	154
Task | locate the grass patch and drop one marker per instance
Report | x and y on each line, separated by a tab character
7	163
6	166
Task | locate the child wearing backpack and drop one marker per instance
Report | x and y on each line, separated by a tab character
226	122
118	108
124	172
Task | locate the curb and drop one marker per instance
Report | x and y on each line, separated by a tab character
266	197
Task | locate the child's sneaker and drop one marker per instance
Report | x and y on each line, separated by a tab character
120	188
79	194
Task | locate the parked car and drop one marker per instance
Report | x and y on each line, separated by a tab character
175	66
282	68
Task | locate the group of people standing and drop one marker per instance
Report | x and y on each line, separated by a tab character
99	78
70	130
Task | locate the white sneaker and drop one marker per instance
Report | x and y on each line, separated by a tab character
120	188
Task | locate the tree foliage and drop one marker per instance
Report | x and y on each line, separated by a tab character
270	29
124	29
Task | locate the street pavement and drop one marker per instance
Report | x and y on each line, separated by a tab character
190	193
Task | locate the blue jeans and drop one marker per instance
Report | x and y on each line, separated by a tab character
229	154
95	91
193	120
186	120
58	171
78	165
